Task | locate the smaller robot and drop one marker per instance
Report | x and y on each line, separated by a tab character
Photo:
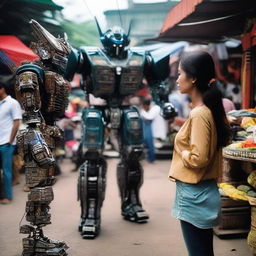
43	94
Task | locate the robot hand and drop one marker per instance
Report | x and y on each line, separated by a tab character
169	111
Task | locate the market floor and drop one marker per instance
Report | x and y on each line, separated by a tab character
161	236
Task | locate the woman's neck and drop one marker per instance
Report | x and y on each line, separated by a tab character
196	99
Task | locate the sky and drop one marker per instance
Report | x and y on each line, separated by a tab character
82	10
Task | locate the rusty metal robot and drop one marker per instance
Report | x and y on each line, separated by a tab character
43	94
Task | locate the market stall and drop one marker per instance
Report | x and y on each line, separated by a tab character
240	156
209	21
14	51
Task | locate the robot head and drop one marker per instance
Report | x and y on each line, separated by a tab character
51	50
114	41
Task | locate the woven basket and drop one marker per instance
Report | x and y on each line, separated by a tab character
252	201
251	239
252	179
239	153
253	216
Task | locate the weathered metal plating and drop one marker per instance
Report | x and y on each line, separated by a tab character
43	94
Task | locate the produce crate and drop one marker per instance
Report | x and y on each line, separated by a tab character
228	202
235	218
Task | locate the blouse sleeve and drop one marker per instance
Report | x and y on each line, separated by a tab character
198	154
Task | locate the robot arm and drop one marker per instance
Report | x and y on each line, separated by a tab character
156	67
78	63
28	90
75	64
156	71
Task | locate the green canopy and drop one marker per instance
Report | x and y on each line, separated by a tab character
16	14
50	3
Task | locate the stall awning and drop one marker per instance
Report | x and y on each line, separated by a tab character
203	21
49	3
15	50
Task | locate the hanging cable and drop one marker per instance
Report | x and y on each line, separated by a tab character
88	8
119	13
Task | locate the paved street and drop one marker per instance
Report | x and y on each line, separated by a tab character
160	237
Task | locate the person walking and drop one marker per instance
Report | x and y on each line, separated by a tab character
10	116
148	113
197	156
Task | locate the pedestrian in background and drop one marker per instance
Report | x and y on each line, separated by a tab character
10	116
148	113
197	156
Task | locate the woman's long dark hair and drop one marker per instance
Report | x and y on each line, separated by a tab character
200	65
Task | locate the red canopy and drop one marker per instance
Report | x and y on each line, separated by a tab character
204	21
16	50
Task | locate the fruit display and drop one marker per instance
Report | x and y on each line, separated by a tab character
244	149
251	112
241	192
248	122
232	192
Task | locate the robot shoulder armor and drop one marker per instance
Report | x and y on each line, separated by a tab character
90	50
31	67
137	50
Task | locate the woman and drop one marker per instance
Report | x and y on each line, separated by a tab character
197	156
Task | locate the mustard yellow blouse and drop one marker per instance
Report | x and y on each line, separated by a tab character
195	155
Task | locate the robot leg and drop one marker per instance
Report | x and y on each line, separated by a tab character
37	213
39	169
92	179
129	170
130	178
36	244
91	193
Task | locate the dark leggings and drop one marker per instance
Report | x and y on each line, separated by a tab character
199	242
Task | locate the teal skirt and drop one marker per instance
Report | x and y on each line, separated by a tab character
198	204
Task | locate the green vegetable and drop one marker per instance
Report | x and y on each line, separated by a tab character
244	188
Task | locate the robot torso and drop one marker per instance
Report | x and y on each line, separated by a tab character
114	78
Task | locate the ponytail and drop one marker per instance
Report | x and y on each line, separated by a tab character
212	98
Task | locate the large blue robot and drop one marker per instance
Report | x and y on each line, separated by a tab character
113	73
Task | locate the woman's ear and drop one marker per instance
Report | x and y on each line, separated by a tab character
194	81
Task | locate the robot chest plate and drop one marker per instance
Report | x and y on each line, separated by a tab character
120	77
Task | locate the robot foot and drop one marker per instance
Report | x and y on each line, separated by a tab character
43	246
135	213
89	228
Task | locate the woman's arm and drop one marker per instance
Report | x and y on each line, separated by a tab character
198	155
